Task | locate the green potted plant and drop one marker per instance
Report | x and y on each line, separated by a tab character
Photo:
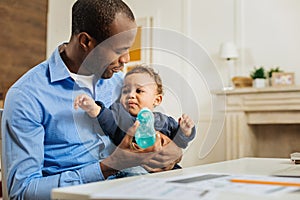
271	71
259	77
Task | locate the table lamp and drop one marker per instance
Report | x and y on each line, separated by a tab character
229	52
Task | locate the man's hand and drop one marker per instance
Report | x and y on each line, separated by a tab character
126	156
162	156
166	158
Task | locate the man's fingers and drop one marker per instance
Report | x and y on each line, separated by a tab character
153	170
155	165
131	131
157	146
127	140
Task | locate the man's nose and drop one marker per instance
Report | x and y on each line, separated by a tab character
125	58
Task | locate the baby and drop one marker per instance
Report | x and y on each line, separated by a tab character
142	88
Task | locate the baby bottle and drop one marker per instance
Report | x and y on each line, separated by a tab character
145	134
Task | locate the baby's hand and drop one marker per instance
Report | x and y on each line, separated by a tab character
87	104
186	124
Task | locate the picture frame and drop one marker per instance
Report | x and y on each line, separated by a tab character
141	50
283	79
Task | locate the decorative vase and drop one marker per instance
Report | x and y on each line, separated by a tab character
259	83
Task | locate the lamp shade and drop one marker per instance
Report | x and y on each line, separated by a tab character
228	50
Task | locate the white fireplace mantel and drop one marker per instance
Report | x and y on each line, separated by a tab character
258	121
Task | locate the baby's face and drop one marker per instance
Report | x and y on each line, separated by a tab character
139	91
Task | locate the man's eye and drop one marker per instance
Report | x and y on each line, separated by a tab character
125	91
120	52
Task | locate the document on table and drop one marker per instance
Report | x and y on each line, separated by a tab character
197	186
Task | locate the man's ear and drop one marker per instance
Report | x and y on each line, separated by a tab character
158	99
86	41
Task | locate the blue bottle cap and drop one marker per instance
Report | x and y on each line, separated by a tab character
145	115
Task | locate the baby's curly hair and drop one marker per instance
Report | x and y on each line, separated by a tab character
145	69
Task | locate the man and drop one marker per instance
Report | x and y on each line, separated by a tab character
46	143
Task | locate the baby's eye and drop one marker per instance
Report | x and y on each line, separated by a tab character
139	91
125	91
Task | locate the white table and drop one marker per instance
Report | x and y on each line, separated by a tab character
247	166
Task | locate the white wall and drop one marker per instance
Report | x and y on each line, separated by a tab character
265	31
270	34
59	23
180	16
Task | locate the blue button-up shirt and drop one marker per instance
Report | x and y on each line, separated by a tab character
46	143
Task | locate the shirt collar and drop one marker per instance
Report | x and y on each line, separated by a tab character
57	68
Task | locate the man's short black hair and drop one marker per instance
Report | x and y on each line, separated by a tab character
95	16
